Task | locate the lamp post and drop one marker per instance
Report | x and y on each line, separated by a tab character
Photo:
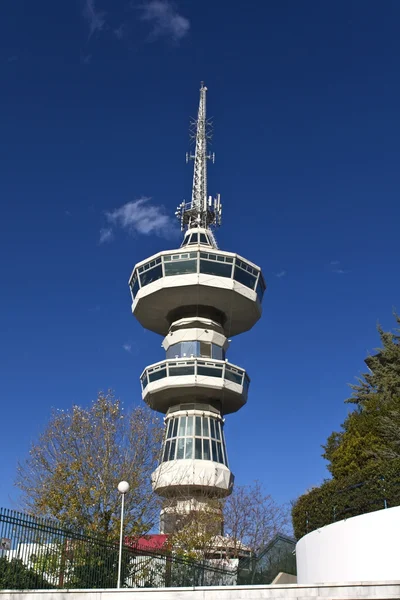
123	487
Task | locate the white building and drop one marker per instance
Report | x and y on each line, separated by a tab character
197	297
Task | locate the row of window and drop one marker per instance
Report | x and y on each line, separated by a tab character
195	367
196	348
188	448
198	437
197	238
190	425
198	262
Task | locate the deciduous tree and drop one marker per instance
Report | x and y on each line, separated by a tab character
73	470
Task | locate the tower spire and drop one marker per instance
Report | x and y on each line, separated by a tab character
202	211
200	157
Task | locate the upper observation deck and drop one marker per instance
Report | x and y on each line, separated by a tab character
197	280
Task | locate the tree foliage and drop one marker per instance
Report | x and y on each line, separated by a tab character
73	470
373	488
371	433
366	450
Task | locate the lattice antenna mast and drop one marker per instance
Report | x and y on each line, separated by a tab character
202	211
200	157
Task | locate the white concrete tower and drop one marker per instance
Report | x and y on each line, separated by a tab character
197	297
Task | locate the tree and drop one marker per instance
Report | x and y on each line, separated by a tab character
252	518
197	528
72	472
249	518
371	433
364	456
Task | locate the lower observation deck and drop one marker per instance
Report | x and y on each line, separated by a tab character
166	383
217	285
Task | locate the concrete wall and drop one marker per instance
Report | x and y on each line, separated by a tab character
363	548
374	591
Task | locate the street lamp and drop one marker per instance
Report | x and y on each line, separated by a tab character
123	487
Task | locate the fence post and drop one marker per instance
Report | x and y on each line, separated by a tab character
384	493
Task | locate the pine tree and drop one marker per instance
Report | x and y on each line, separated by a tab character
371	433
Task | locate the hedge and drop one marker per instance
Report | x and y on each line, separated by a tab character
375	487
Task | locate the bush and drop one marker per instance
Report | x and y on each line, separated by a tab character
14	575
376	487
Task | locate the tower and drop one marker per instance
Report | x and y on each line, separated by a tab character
197	297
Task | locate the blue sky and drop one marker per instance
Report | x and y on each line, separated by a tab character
95	105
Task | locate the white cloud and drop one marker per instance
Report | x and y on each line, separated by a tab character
127	347
95	18
282	273
139	216
106	235
337	268
164	19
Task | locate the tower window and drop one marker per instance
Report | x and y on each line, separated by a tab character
193	239
220	269
205	349
195	349
260	288
198	437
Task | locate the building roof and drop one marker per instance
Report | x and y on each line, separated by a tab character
151	542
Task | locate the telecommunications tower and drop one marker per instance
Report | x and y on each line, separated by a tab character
197	297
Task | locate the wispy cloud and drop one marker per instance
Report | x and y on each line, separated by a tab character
95	18
86	59
127	347
282	273
140	216
337	268
106	235
164	19
119	32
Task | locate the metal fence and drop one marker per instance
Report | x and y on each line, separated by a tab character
36	553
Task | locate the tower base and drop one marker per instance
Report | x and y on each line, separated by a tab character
198	515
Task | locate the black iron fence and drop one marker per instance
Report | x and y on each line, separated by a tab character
38	554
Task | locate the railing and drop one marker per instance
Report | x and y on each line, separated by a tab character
216	263
195	366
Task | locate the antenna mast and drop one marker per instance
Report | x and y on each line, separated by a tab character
202	211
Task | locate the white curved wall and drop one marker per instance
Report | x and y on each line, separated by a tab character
363	548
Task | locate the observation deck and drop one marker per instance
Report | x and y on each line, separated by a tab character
201	282
218	382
